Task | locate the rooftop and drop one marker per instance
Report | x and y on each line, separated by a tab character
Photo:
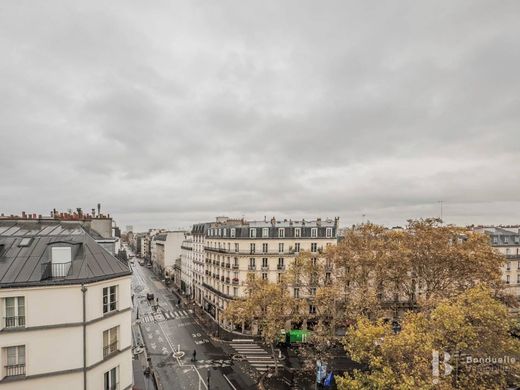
25	250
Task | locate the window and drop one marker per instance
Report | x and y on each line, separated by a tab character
233	233
252	248
237	247
314	247
297	247
219	232
312	309
109	299
313	261
265	232
264	276
111	379
313	291
296	292
328	233
506	240
252	233
297	232
224	232
314	232
14	312
280	277
280	247
265	248
508	266
518	278
328	278
507	279
495	240
265	262
110	340
14	360
235	291
517	239
252	264
281	232
280	263
25	241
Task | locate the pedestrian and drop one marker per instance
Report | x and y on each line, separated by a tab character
157	301
194	359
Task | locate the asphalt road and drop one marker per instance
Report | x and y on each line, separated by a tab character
171	334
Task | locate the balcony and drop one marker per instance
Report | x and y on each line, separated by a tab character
280	267
222	278
217	250
55	270
228	265
235	266
251	267
227	280
265	268
110	348
235	281
14	322
14	370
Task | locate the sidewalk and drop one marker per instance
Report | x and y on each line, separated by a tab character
208	323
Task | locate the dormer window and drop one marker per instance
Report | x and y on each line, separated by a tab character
281	232
61	260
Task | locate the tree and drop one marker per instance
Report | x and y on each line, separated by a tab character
382	272
269	305
474	323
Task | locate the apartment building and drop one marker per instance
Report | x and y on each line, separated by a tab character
198	258
265	249
186	266
66	309
165	250
507	241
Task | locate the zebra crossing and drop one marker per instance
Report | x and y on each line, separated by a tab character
164	315
254	354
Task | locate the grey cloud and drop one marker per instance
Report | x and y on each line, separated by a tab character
175	113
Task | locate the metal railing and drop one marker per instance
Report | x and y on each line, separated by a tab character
110	348
14	370
280	266
15	321
55	270
251	267
265	268
235	281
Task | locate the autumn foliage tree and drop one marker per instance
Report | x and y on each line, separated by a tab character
472	325
383	271
268	305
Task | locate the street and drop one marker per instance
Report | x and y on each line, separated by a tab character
171	334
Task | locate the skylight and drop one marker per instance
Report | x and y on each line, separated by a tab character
25	241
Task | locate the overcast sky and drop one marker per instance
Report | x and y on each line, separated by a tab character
169	113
